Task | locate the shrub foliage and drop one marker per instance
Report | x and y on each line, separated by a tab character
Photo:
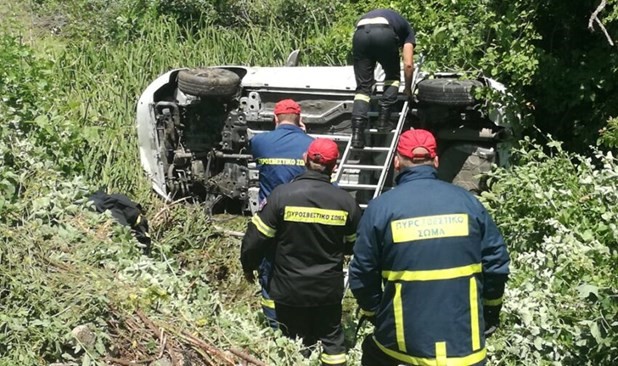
558	213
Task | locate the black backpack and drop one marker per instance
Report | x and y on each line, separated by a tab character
126	212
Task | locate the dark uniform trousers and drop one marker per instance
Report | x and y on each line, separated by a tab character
315	323
268	304
279	156
375	43
373	356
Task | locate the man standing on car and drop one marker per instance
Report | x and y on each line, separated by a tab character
311	223
279	155
378	37
429	267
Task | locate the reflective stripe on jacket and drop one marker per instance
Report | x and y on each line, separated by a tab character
312	224
279	155
427	255
402	28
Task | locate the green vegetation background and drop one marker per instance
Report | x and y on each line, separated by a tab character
70	78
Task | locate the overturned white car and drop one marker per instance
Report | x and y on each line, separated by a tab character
194	126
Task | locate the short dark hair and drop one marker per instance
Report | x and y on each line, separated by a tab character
289	117
317	167
406	162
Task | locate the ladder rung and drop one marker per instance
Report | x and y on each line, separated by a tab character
362	167
372	149
375	114
358	186
400	97
390	150
375	130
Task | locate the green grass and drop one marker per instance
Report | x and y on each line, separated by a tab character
104	81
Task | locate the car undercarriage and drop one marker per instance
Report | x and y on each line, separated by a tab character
194	126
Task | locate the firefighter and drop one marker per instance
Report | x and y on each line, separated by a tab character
378	37
311	223
429	267
279	155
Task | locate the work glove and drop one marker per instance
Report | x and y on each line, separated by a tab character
366	316
490	331
370	319
491	314
249	276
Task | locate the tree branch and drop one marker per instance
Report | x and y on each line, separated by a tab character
595	18
595	14
609	39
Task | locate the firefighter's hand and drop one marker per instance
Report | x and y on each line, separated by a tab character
366	315
249	276
491	314
302	126
490	331
370	319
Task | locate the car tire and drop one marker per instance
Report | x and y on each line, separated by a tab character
465	164
211	82
449	92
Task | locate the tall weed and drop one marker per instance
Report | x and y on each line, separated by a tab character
104	82
36	138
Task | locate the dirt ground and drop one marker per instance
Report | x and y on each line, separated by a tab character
18	18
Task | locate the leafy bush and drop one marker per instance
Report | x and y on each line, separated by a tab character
123	20
96	19
34	136
609	134
558	214
67	266
189	11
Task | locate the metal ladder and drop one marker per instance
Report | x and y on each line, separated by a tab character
346	165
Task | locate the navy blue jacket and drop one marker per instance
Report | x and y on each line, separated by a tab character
427	259
279	155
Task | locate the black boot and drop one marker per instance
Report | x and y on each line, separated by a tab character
384	120
358	132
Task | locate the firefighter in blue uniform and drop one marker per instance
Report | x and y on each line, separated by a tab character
312	224
429	267
379	36
279	155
